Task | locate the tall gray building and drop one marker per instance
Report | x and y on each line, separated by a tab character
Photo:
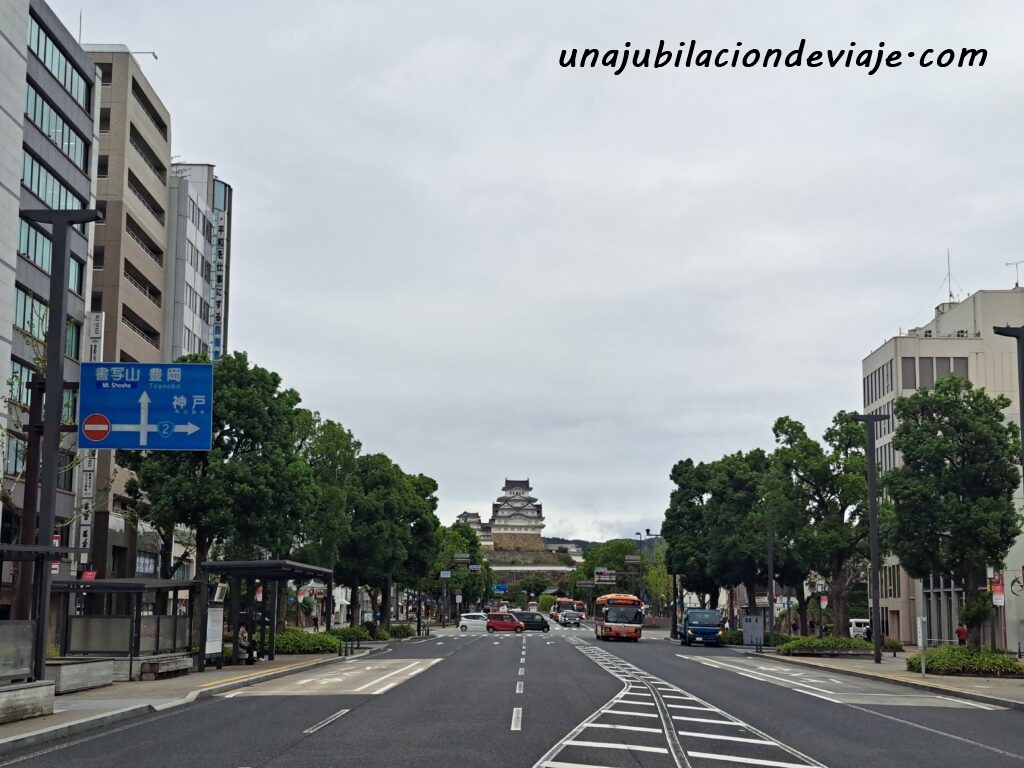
56	160
130	263
198	267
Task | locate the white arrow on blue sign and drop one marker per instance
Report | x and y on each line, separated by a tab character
146	406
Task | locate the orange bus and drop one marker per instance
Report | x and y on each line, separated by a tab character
567	604
618	615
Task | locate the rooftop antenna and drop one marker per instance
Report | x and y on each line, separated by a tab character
949	277
1016	266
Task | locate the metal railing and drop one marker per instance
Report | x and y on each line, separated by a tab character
158	258
143	289
160	174
133	327
142	196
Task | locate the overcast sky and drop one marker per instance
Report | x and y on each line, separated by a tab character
487	265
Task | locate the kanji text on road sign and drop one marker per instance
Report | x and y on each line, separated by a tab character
146	406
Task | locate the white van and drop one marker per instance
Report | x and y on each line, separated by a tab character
473	622
857	627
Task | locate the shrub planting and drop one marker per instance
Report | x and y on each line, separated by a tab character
961	660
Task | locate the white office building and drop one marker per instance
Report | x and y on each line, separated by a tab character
959	340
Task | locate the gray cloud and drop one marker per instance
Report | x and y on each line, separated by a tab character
489	266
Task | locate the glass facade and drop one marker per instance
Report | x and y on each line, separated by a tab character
56	129
42	45
44	185
30	314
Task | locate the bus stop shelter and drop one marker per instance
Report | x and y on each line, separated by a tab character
122	628
266	573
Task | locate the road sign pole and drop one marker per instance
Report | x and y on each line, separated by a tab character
56	333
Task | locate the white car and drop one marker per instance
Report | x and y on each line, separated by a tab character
476	622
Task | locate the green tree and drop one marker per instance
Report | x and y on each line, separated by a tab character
393	529
686	529
831	477
953	499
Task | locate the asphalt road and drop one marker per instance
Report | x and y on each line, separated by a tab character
556	700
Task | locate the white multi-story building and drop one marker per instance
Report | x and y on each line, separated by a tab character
959	340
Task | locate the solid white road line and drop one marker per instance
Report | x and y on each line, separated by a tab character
384	677
688	706
745	740
709	720
327	721
607	745
745	760
517	719
624	727
558	764
634	714
818	696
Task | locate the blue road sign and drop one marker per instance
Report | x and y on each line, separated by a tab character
503	587
146	406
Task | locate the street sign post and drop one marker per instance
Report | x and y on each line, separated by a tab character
146	406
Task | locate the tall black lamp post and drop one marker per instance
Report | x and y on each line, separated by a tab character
870	419
56	333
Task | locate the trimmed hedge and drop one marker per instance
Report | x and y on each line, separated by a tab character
354	634
402	630
294	640
732	636
824	644
961	660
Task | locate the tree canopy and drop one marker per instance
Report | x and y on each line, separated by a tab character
953	505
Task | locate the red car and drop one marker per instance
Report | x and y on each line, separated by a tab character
504	622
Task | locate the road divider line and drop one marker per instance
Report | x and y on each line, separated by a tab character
818	695
326	721
517	719
522	671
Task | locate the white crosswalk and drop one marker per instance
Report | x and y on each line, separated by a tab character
662	726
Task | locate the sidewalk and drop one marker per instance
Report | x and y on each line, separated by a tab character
1000	691
82	711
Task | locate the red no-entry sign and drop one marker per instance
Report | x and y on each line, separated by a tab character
96	426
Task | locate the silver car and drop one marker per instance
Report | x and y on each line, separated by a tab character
477	622
567	618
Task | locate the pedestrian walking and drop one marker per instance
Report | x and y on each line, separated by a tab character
867	633
961	634
316	623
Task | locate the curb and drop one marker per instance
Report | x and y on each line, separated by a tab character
981	698
85	724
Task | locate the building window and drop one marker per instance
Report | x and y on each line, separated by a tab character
30	314
76	271
14	456
942	369
927	372
56	129
145	562
21	374
42	45
960	367
44	185
34	245
908	373
69	409
73	340
66	475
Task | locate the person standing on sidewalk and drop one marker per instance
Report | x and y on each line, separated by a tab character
961	634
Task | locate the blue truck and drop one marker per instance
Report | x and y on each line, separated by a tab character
703	627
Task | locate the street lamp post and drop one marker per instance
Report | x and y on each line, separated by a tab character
870	419
641	595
